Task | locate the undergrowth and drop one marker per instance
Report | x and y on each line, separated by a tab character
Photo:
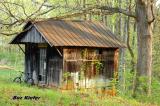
53	97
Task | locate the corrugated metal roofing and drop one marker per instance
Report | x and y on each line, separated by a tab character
76	33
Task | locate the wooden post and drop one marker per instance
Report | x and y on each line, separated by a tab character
63	68
116	55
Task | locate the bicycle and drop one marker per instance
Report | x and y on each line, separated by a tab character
21	79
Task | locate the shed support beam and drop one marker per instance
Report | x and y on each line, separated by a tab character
59	52
21	48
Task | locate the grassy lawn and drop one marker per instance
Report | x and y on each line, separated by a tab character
52	97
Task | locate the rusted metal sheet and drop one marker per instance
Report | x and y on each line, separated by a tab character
76	33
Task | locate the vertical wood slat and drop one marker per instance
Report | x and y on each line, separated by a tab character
28	72
26	60
116	55
107	58
30	61
32	36
54	72
42	65
56	64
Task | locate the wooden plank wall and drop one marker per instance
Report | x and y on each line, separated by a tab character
55	65
49	73
42	65
77	59
32	36
31	60
80	63
116	57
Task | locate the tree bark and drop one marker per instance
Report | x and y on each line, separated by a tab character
145	18
122	34
84	6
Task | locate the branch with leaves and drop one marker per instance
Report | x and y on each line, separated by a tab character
12	18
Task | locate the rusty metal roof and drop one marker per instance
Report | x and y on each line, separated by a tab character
77	33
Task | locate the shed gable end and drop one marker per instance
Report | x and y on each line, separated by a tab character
31	36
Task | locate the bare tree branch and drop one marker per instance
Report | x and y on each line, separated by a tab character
118	10
46	5
12	20
152	12
9	12
47	11
40	7
15	20
91	8
16	4
8	34
18	32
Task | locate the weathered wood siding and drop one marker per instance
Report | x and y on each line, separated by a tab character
42	75
32	36
43	63
81	63
55	65
48	65
31	60
108	62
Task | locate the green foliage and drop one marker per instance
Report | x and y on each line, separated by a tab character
141	94
125	88
99	66
143	88
83	53
66	74
155	96
12	57
15	57
52	97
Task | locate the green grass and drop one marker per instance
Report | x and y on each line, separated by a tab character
52	97
13	58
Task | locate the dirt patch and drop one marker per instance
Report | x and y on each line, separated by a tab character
6	67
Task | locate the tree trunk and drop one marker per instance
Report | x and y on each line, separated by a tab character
122	34
84	6
145	18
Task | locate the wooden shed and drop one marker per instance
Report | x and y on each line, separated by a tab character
69	54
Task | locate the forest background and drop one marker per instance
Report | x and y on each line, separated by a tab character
136	22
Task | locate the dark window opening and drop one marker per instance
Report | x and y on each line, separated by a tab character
100	51
39	77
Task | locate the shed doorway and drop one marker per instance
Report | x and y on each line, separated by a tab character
54	67
42	65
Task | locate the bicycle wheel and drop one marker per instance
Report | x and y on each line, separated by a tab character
17	79
30	81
